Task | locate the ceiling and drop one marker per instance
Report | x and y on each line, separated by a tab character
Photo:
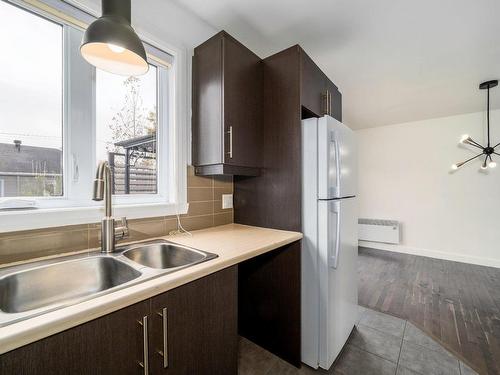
394	60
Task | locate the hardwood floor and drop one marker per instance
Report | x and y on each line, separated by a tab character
458	304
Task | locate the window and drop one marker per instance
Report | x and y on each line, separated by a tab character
31	141
60	116
127	129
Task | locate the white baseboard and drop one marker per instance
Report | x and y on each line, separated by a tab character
433	254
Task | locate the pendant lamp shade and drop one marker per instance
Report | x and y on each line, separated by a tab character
111	44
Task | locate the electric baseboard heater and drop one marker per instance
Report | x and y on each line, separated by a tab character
376	230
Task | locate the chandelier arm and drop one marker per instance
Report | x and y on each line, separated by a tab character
472	158
498	144
475	145
496	153
472	142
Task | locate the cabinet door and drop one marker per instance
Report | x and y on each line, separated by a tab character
335	101
112	344
227	108
313	88
207	100
195	327
242	104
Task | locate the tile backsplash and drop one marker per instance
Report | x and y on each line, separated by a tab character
205	210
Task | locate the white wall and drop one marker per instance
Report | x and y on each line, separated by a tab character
405	175
164	20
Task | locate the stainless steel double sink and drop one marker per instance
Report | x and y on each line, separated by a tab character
36	288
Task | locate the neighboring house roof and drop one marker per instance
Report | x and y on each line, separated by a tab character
145	143
29	159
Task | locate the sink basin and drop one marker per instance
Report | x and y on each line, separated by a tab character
61	283
165	255
29	290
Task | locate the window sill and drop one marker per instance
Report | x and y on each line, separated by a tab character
54	217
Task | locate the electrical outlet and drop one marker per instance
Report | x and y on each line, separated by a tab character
227	201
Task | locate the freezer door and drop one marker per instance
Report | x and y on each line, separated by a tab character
337	159
337	268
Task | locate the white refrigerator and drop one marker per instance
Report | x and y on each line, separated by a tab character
330	244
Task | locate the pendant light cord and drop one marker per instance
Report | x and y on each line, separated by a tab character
488	116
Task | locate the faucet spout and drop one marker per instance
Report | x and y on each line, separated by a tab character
103	184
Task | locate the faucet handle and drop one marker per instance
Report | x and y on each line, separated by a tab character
122	230
124	222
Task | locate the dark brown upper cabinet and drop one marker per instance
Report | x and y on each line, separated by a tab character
319	95
227	108
334	98
313	93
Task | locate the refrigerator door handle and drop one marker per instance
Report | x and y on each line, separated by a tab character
337	166
333	258
334	140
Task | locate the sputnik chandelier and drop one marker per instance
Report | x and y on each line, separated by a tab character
489	150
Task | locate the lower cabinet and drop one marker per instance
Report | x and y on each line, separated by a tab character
188	330
201	325
111	344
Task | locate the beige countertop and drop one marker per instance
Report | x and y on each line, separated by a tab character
233	243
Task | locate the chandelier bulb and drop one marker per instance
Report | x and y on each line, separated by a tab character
492	164
464	138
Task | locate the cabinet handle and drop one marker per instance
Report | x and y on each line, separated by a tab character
164	353
324	103
145	343
230	132
329	102
327	96
331	110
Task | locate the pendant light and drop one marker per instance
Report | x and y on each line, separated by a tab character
111	44
488	150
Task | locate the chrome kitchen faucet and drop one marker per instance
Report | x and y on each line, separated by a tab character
103	185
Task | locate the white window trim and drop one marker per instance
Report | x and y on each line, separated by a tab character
177	169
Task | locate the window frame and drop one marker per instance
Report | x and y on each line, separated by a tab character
162	141
76	206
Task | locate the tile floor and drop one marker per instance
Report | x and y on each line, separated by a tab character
380	345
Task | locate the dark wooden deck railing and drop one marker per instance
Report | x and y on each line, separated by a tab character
132	179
